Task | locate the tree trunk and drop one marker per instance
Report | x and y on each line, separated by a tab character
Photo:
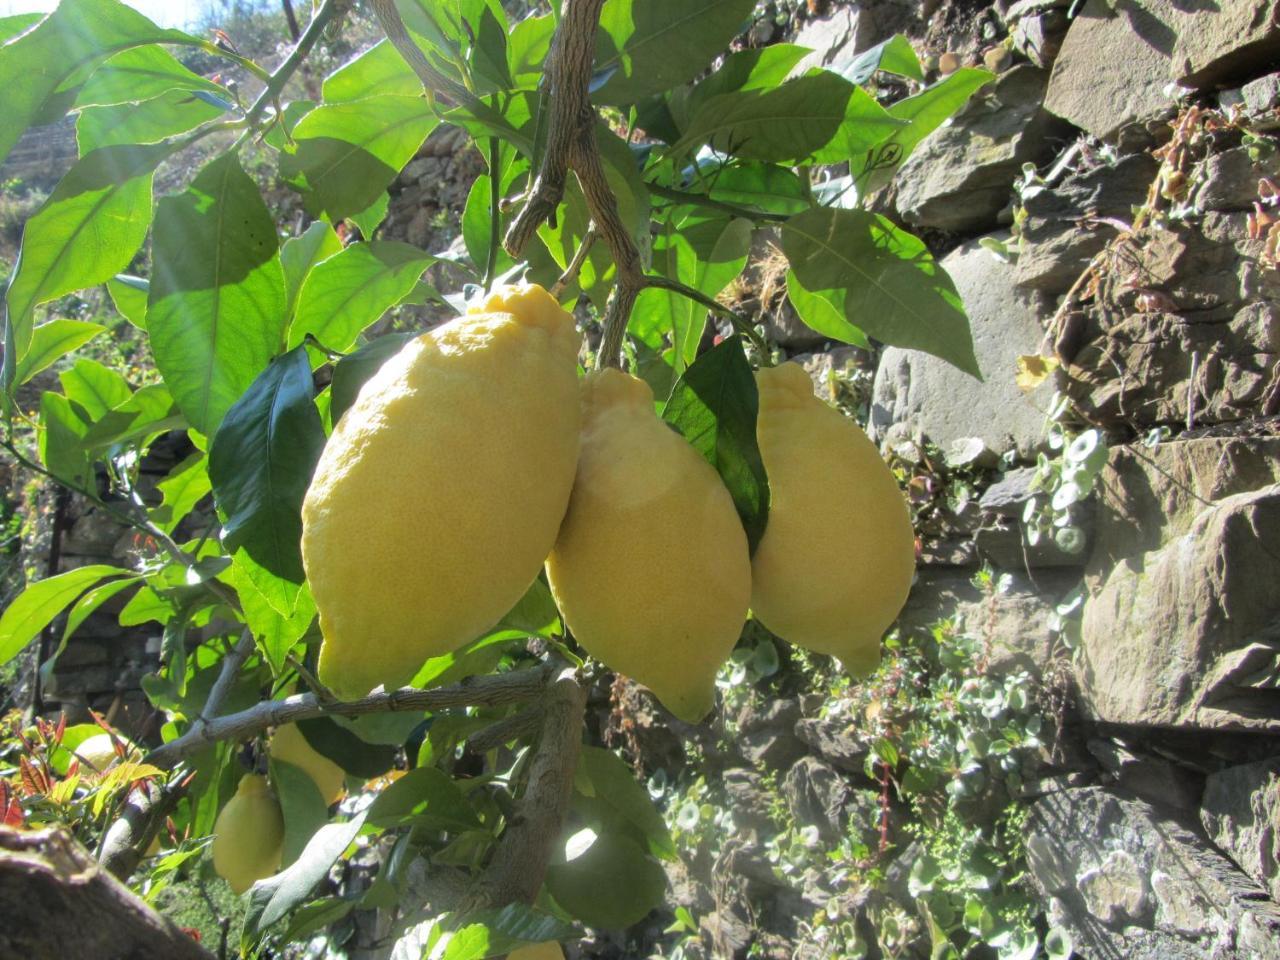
57	904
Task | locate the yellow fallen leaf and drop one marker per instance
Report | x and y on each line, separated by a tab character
1033	370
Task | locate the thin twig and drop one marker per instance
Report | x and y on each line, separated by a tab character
702	200
231	665
510	728
495	212
575	265
284	73
494	690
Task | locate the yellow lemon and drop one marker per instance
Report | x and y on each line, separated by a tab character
248	836
538	951
288	744
99	752
835	563
439	494
651	569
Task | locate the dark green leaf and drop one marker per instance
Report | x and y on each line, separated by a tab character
33	609
140	73
303	807
271	899
424	797
882	279
352	372
40	70
87	231
714	406
647	46
348	751
261	463
311	918
348	153
216	306
612	885
299	254
167	115
745	70
615	788
352	289
51	341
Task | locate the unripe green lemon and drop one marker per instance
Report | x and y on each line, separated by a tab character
248	836
439	494
651	568
835	563
538	951
288	744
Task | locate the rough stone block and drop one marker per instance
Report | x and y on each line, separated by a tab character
1242	816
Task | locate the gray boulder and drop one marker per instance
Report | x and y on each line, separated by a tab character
1241	814
1127	882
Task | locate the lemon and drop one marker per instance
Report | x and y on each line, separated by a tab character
288	744
248	835
538	951
650	569
835	563
439	494
99	752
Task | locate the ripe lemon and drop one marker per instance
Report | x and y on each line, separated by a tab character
99	752
248	836
439	494
835	563
538	951
651	569
288	744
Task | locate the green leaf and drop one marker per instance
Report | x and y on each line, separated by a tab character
714	406
40	70
612	885
86	232
33	609
424	797
216	306
866	124
368	220
895	55
167	115
616	790
299	254
185	486
271	899
261	463
527	49
355	756
304	809
129	295
311	918
493	933
140	73
148	411
352	289
51	341
96	388
534	614
11	27
756	69
352	372
348	153
884	278
647	46
820	314
760	186
785	123
923	113
283	595
276	634
63	427
379	71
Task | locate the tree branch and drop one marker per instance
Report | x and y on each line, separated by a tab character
494	690
571	146
433	81
702	200
283	73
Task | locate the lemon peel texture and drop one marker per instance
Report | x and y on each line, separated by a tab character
835	563
651	570
439	494
248	835
288	744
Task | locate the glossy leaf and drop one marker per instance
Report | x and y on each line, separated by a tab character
53	340
714	406
33	609
424	797
166	115
271	899
647	46
612	885
40	70
348	153
882	279
616	791
300	254
761	186
756	69
304	809
352	372
351	290
820	314
140	73
348	751
85	233
185	486
527	49
493	933
216	305
275	632
261	463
